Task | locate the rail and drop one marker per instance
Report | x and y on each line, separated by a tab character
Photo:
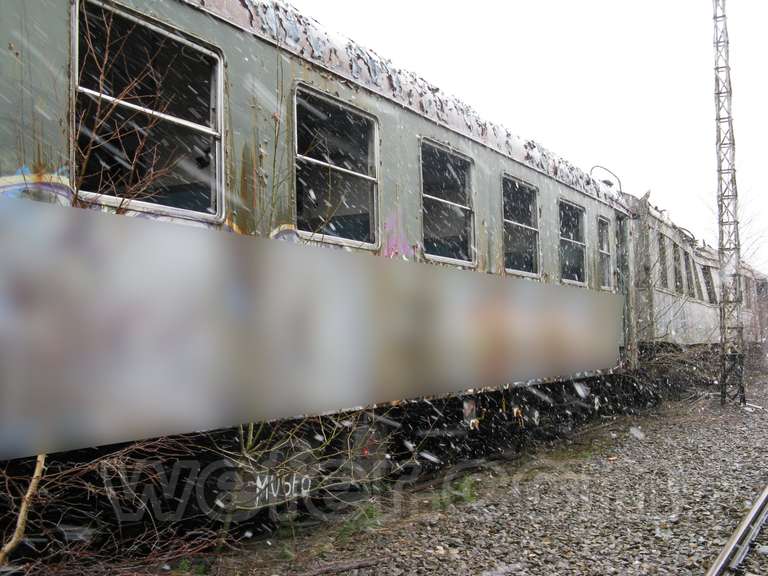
737	547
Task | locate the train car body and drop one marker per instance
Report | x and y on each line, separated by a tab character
677	282
258	81
286	131
262	70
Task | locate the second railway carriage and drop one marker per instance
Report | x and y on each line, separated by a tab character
246	116
678	284
677	281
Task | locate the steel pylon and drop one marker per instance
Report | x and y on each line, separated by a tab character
731	324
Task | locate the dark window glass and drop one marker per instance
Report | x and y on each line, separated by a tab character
521	248
571	222
137	157
334	134
136	64
697	281
689	275
519	203
709	284
134	153
572	247
572	262
447	212
447	230
678	268
521	236
334	203
663	267
335	170
445	175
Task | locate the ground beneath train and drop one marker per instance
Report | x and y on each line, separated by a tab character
658	493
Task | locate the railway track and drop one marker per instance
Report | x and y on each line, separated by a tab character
738	546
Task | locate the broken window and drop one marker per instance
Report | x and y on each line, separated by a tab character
663	269
678	265
709	284
572	243
521	226
446	203
604	251
335	169
689	275
147	115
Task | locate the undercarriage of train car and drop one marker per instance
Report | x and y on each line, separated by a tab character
193	491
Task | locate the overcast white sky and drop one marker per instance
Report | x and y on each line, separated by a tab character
627	84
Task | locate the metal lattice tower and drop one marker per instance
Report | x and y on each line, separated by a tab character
731	327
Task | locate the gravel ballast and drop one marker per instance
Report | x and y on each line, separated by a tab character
654	494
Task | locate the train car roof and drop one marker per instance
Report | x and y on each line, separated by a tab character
284	26
701	248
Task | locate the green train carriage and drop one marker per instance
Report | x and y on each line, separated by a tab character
248	117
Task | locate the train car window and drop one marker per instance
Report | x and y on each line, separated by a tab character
604	250
663	267
335	169
147	116
446	203
709	284
678	265
572	243
697	281
689	275
521	226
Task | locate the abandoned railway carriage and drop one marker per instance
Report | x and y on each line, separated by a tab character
678	284
246	116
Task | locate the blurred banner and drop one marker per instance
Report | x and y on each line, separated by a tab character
115	329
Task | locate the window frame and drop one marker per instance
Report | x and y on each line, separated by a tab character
601	253
422	140
218	133
504	221
298	87
584	244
